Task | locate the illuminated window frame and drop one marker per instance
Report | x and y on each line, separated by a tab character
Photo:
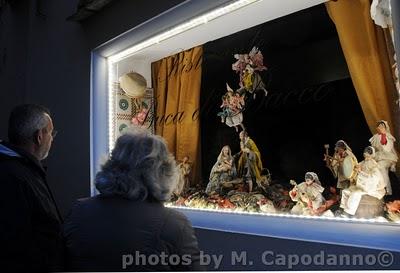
112	60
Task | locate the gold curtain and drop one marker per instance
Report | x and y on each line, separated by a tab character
364	47
176	82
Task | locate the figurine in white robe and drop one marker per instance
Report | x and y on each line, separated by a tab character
307	195
342	164
386	156
369	181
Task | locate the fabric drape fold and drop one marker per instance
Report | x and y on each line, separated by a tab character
364	47
177	81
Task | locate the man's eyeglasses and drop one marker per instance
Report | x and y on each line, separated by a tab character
54	133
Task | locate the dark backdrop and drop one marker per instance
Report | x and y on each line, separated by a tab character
311	99
45	59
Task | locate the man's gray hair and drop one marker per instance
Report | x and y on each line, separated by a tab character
140	168
25	120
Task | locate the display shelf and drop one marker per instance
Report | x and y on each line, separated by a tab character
364	233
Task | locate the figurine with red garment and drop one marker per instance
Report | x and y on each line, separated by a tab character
386	155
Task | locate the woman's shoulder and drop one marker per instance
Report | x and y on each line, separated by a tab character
175	222
177	216
81	206
177	229
89	201
107	203
82	202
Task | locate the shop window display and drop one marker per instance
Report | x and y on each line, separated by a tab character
265	129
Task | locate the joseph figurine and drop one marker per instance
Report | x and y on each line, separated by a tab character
249	164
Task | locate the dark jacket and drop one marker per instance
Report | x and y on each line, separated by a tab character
30	225
115	234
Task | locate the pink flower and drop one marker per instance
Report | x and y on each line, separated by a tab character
135	121
140	117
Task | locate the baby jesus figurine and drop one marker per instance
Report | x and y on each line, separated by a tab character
225	165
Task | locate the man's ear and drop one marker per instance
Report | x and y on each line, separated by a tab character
38	137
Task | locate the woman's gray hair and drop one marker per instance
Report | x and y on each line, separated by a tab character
140	168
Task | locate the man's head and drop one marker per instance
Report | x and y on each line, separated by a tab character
340	147
242	135
381	127
310	178
30	126
369	152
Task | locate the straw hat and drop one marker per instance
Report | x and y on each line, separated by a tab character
133	84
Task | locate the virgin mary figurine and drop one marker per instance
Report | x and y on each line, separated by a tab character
223	170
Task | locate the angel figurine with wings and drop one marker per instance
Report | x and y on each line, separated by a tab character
248	66
232	108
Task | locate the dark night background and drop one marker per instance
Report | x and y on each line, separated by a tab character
311	99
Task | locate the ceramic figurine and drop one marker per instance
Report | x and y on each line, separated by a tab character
369	182
342	164
266	206
381	13
386	156
308	196
232	107
248	67
252	81
393	210
223	170
249	161
184	169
